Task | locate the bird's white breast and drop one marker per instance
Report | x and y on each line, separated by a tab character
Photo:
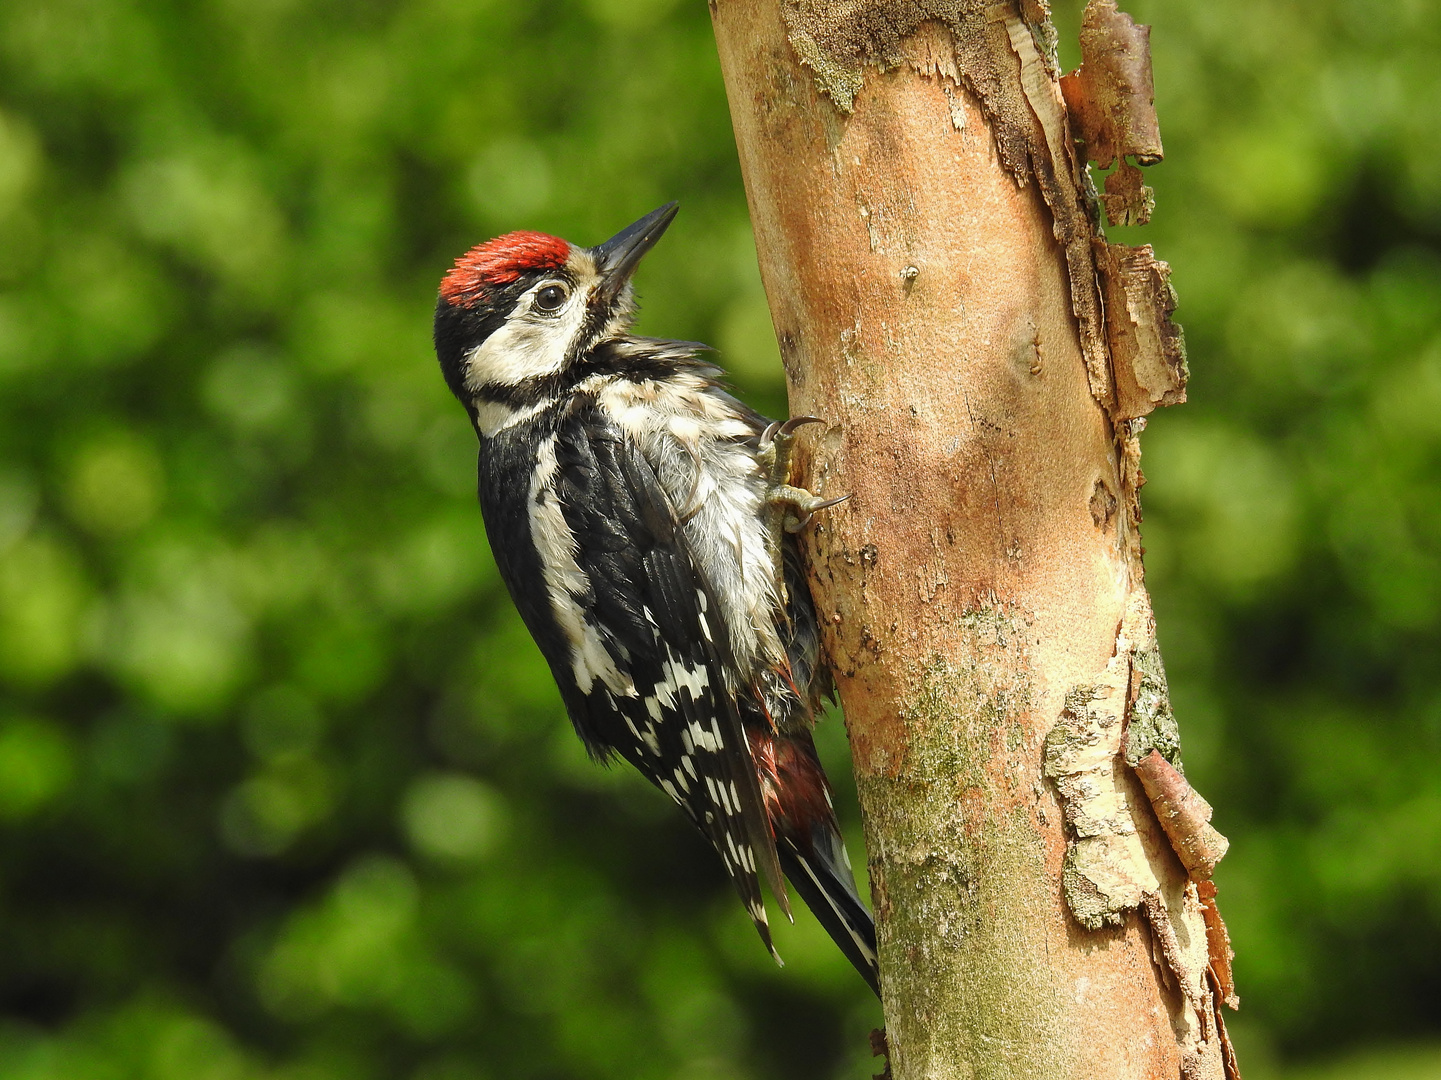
691	435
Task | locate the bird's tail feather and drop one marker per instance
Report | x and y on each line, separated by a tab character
820	872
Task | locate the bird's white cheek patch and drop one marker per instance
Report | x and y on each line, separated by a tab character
678	423
526	347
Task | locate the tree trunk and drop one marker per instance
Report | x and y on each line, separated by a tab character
943	298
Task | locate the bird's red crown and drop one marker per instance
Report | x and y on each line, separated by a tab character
499	262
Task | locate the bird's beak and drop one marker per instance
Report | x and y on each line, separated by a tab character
618	257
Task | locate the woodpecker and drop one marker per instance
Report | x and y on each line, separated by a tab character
643	521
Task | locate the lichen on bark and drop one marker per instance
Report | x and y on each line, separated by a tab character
963	870
1151	720
1107	871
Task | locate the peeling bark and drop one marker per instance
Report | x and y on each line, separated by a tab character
1112	104
1148	354
1218	941
1184	815
928	237
1110	97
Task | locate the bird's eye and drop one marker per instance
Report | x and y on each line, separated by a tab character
550	298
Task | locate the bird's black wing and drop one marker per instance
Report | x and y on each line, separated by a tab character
674	715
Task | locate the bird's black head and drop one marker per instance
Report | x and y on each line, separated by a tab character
516	312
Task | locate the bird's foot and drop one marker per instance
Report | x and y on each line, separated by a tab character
795	505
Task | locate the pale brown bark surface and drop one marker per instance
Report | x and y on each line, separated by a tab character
929	263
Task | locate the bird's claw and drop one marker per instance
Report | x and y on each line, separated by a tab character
777	430
799	505
790	426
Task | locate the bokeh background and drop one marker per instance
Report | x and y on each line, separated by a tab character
285	791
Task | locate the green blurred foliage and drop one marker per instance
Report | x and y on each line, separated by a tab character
285	791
